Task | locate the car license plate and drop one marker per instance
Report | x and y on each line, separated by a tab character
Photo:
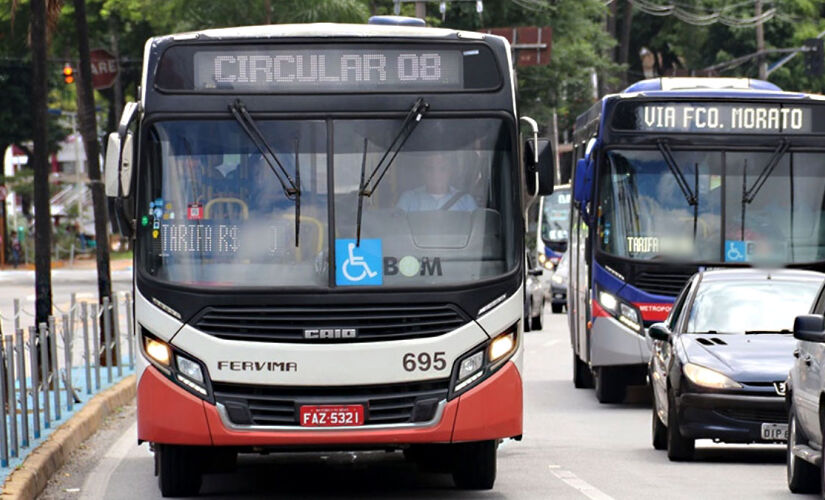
331	415
775	432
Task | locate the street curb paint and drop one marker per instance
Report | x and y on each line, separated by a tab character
31	477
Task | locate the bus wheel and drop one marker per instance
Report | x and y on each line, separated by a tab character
474	465
178	469
582	376
610	385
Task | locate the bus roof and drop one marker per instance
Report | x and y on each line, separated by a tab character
323	30
696	83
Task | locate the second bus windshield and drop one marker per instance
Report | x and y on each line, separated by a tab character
724	216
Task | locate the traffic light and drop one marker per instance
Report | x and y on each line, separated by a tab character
814	58
68	73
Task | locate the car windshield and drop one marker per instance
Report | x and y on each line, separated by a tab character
738	306
645	214
555	219
213	213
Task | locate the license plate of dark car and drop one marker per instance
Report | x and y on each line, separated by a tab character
775	432
331	415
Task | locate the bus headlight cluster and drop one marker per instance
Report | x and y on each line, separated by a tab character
483	361
185	371
627	314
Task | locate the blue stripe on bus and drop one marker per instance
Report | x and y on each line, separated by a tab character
610	283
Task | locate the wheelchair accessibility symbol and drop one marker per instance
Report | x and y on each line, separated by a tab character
358	265
736	251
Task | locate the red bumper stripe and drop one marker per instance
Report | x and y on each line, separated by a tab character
168	414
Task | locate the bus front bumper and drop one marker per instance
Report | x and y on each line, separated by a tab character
170	415
612	343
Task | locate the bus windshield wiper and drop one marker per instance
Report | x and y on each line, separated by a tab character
291	187
750	194
368	186
690	196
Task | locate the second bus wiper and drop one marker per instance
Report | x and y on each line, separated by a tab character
290	186
369	185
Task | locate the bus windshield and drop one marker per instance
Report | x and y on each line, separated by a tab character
645	214
556	217
213	212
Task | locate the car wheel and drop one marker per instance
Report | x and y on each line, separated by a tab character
537	321
474	465
179	470
557	308
610	385
803	477
679	448
582	376
658	431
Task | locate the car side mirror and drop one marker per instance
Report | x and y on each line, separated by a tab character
659	331
536	272
809	327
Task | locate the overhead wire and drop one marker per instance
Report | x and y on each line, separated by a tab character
701	17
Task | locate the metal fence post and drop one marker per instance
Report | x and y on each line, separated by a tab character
116	334
84	313
72	315
20	345
130	331
107	337
16	314
44	374
4	449
11	399
35	371
67	359
96	342
55	368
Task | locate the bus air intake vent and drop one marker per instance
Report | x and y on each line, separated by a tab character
663	282
383	404
331	323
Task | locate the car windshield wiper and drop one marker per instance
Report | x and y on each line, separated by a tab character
291	187
690	195
368	186
757	332
748	195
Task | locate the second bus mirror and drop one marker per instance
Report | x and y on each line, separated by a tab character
540	176
111	166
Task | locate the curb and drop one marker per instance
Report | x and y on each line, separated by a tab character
30	479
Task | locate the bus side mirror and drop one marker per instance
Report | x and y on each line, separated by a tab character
111	166
583	185
540	174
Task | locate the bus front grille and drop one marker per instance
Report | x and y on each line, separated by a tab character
280	406
334	323
662	282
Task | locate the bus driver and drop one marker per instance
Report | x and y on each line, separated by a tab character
436	193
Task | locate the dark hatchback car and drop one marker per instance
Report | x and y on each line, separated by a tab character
719	362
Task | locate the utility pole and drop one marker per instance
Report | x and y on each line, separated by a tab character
760	42
420	10
40	164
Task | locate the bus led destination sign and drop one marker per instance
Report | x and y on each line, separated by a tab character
324	69
703	117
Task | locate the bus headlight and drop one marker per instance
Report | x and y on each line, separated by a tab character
185	371
542	258
484	360
626	313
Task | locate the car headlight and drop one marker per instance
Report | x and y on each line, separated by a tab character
185	371
557	279
549	265
542	258
705	377
483	361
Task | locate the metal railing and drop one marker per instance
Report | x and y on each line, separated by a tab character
40	377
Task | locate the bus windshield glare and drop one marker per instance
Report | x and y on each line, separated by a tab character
213	213
726	214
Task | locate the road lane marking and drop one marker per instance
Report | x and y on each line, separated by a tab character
576	483
96	484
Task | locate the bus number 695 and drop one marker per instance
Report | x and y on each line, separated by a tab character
424	361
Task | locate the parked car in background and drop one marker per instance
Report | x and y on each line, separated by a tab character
557	292
533	294
720	360
804	392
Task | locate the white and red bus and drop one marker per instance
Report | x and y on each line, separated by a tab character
328	224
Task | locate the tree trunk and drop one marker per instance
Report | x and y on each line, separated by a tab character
42	216
87	123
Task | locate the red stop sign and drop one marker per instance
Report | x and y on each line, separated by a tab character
104	68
